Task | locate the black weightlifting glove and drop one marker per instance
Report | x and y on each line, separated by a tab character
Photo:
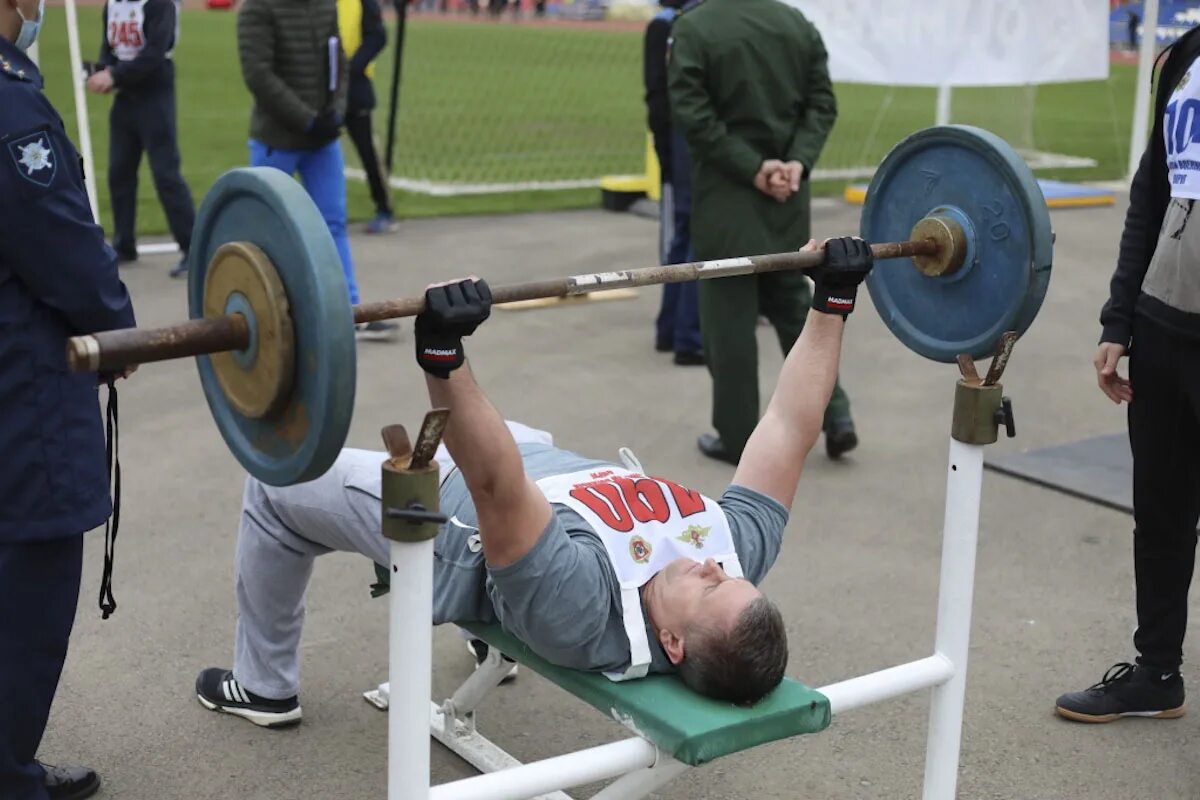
451	312
848	261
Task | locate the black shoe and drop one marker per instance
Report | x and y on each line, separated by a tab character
840	438
686	359
70	783
479	649
711	445
217	690
180	270
1126	690
126	256
664	345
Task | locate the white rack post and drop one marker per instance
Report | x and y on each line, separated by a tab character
410	669
960	535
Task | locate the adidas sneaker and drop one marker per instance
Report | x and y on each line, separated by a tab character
218	690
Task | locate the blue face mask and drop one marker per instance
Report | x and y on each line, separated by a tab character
30	28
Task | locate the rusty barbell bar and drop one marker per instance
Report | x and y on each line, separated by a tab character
110	351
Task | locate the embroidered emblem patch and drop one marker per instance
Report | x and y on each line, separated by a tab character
35	157
639	548
694	535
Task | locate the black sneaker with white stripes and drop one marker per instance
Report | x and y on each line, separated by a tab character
479	649
217	690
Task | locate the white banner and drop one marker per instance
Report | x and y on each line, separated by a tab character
962	42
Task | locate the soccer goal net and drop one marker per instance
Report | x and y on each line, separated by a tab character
493	102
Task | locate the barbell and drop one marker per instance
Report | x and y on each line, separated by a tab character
274	335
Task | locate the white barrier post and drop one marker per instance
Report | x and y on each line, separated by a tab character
960	534
81	110
1142	91
945	96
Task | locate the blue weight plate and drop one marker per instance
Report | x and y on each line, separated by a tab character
266	207
973	174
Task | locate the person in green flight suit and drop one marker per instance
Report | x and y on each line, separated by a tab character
750	90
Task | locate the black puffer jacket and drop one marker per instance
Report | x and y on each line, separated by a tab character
284	49
1149	196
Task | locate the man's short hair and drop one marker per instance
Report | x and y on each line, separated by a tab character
742	665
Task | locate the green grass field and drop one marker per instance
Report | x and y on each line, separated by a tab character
507	102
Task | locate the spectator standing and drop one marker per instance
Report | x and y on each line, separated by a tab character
1153	314
364	37
678	323
294	66
750	91
136	62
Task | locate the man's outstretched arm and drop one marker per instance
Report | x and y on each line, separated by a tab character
512	511
774	456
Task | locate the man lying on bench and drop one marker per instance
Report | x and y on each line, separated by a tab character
594	566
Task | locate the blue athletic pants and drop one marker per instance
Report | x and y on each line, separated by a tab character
322	171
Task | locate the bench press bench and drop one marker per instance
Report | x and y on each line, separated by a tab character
675	729
679	728
682	724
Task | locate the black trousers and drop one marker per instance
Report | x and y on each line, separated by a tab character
146	122
358	125
1164	435
39	589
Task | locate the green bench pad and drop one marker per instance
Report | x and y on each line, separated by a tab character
661	709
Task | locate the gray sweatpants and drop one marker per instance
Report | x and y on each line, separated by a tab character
283	530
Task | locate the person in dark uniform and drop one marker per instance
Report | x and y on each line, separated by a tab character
678	325
750	91
364	37
58	278
139	37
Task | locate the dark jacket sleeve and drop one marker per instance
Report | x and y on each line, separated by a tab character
256	51
159	32
53	246
374	38
1116	317
654	74
107	58
820	111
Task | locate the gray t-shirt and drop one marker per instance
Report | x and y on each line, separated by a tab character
562	598
1173	276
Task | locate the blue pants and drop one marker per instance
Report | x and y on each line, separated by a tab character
39	589
678	323
322	171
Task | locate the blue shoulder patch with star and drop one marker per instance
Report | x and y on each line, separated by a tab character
34	157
